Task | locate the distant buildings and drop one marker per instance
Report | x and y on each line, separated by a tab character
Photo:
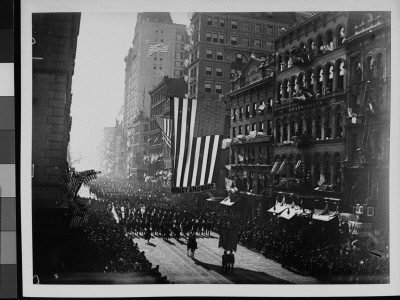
110	152
157	50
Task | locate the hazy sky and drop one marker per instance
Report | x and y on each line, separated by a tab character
98	82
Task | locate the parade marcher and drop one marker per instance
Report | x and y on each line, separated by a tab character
231	261
147	235
224	267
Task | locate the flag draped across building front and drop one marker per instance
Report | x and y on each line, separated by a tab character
76	179
165	125
193	158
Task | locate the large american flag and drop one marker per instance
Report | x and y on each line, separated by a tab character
165	125
157	48
193	158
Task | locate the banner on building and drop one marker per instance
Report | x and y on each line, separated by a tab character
193	189
193	158
228	239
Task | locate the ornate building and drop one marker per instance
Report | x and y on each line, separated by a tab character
368	124
310	107
251	142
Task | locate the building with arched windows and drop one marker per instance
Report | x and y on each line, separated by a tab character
368	124
310	108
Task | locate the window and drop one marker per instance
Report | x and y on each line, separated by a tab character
222	22
257	43
208	37
193	72
330	79
179	37
247	111
268	45
209	54
209	21
234	113
178	73
240	129
207	87
234	24
215	38
196	38
160	67
155	67
220	55
218	71
254	109
261	127
155	57
216	21
234	40
208	70
246	42
270	30
233	132
247	129
222	38
241	113
246	26
178	55
218	88
257	28
340	81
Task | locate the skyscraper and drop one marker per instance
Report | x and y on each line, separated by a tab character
157	50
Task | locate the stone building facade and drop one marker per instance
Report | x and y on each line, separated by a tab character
54	49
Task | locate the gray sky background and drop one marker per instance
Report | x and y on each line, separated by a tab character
98	82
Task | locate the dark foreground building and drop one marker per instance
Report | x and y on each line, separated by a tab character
54	48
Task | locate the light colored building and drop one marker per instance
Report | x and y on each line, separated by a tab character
158	49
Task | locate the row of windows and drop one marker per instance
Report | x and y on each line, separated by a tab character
219	38
245	25
217	88
209	71
319	45
329	125
251	110
324	79
245	129
218	54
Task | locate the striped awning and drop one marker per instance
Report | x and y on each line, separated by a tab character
275	167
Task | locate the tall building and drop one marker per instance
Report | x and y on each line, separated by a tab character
158	49
366	166
160	106
110	151
220	45
310	110
251	135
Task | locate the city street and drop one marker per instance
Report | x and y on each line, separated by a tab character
250	267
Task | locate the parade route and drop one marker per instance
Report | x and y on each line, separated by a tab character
250	267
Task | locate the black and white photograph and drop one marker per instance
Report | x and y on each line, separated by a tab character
205	144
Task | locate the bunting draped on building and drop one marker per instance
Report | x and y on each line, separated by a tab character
165	125
76	179
80	215
193	158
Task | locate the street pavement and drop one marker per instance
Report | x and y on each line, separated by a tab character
205	268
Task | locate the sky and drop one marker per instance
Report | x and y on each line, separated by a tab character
98	82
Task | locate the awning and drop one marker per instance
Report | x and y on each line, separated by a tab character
324	217
359	228
283	168
227	201
288	214
275	167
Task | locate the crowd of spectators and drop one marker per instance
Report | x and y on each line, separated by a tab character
317	248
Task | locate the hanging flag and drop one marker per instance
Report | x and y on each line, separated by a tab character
165	126
321	180
76	179
157	48
354	120
193	158
282	169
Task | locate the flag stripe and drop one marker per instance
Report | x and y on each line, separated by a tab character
189	152
213	158
205	159
182	141
201	157
195	159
